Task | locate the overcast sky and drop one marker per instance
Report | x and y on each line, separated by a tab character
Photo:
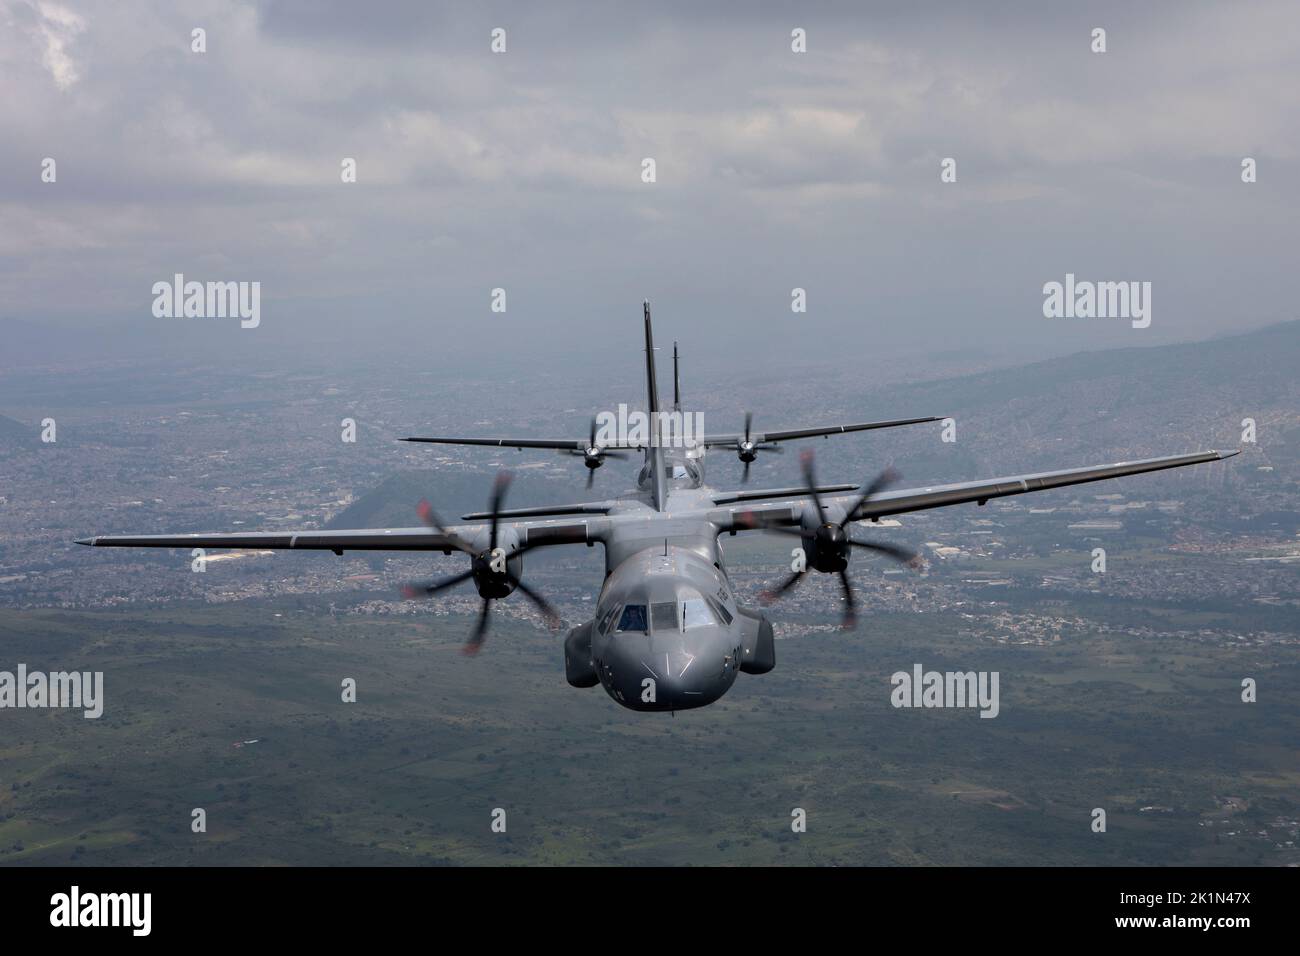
775	170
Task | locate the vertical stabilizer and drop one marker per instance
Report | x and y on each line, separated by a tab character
655	453
677	382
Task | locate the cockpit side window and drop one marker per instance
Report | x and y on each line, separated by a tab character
695	613
720	609
606	619
633	618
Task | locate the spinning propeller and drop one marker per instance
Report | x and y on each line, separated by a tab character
594	455
490	568
747	449
831	541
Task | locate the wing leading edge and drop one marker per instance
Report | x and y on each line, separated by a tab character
709	441
715	441
366	539
941	496
561	444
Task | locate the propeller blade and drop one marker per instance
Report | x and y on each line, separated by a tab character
498	496
744	475
769	596
431	519
614	454
899	554
591	478
592	442
412	591
810	477
879	484
749	420
850	608
475	642
428	589
543	605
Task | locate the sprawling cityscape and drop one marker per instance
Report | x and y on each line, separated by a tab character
1126	612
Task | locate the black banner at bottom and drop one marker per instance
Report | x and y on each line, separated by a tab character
337	905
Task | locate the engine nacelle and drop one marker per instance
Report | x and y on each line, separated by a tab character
827	549
758	643
579	669
497	569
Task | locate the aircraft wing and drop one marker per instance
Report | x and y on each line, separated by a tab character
728	497
713	441
535	533
578	444
377	539
940	496
584	508
581	444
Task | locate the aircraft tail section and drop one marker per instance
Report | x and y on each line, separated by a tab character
655	453
677	382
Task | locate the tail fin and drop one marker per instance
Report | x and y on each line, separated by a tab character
655	453
677	383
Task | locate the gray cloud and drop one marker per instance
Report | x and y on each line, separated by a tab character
775	170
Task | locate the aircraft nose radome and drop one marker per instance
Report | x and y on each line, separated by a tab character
670	671
698	686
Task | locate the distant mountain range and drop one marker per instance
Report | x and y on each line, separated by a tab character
1112	405
15	435
1085	408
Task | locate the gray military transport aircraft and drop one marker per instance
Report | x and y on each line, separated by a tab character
668	633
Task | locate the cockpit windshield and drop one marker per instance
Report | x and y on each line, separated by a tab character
694	610
633	618
664	615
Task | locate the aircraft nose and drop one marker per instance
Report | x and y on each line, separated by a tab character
688	675
677	673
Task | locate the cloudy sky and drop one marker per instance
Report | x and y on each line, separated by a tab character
775	170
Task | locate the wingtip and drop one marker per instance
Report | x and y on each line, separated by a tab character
1228	454
90	542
